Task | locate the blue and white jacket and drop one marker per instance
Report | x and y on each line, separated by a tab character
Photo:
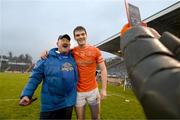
59	75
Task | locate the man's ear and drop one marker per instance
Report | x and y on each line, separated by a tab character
57	43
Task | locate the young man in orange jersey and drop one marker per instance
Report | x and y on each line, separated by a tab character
87	58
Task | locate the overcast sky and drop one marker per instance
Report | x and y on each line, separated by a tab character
31	26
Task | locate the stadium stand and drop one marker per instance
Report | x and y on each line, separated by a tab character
9	65
116	71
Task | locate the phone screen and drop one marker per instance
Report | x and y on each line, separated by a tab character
133	14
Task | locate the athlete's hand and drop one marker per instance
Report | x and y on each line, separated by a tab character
44	54
24	101
127	27
103	94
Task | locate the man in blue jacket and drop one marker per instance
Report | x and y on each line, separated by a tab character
59	76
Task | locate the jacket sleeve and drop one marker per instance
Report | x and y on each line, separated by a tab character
34	80
76	73
75	67
154	73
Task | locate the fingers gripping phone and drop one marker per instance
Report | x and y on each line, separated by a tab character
133	14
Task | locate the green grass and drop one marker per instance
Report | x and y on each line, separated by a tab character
114	106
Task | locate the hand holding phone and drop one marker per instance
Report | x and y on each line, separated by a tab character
25	101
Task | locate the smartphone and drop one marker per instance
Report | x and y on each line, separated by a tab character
133	14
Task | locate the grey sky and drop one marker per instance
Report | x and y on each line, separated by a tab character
31	26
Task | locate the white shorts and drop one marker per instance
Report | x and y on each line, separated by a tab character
92	97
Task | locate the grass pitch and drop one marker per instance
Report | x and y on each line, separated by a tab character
118	104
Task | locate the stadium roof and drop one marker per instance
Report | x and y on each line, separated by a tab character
167	19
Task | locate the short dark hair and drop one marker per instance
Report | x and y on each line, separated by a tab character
79	28
64	36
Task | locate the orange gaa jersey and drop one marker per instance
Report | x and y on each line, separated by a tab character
87	59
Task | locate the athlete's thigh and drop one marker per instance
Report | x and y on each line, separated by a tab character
81	99
80	105
93	97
